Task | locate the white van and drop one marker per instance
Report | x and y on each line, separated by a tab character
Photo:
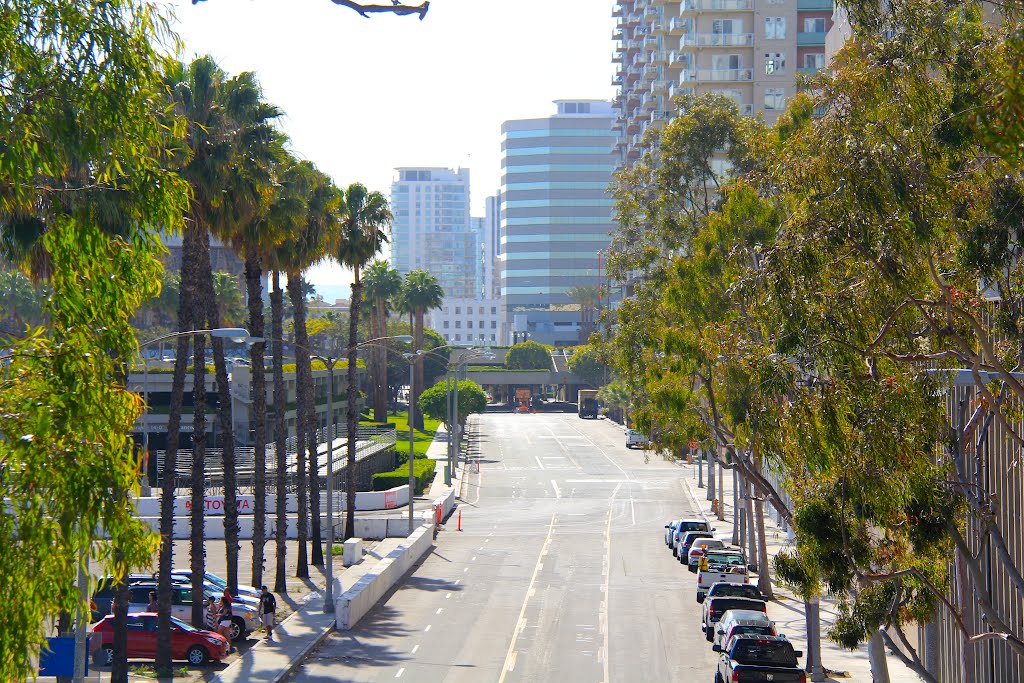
743	621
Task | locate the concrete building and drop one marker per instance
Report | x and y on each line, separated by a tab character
748	50
475	321
492	247
432	230
556	215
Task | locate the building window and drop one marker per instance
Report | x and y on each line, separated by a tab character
446	324
775	98
481	311
469	324
458	337
814	25
481	324
815	61
775	28
493	338
447	338
494	310
725	62
458	309
494	324
774	63
458	324
720	26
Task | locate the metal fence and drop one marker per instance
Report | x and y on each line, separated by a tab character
370	440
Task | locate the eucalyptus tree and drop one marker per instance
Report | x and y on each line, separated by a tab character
382	284
84	179
365	223
420	293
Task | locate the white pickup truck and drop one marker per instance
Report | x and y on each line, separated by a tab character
720	565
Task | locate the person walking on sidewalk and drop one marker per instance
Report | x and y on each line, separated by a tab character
268	605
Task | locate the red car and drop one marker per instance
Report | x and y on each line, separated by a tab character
191	644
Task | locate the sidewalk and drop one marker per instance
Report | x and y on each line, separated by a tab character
273	660
788	610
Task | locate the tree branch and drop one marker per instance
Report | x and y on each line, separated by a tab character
366	10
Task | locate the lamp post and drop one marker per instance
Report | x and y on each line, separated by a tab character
455	409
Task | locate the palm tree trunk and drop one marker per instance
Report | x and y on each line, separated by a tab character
168	480
280	433
254	292
303	387
351	410
197	544
224	414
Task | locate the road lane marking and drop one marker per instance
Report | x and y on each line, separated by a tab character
447	596
427	628
600	481
510	656
458	581
400	672
603	613
416	647
466	569
558	494
439	610
474	559
539	463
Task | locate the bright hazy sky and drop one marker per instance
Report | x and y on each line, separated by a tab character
363	96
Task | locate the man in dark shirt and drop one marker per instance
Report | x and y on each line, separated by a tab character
268	605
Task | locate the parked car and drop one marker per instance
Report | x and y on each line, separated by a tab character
759	658
733	590
742	622
245	619
698	549
720	566
185	575
670	531
714	608
680	526
195	646
103	596
686	541
635	438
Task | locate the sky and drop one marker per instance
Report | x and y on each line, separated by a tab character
364	96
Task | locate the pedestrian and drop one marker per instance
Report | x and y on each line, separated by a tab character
225	615
268	606
152	606
211	617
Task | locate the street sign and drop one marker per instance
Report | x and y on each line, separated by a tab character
694	445
58	659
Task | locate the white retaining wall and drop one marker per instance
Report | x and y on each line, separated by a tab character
354	603
365	500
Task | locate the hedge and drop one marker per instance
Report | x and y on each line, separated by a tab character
423	471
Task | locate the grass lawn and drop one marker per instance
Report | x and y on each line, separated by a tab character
421	439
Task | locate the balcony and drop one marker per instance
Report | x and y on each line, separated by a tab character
717	40
650	42
717	75
658	57
650	13
617	81
616	58
814	5
650	72
618	34
659	27
678	59
809	71
690	6
810	39
677	26
660	87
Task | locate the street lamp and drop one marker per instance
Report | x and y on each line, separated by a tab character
453	445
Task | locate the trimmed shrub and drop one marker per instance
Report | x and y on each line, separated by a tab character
423	471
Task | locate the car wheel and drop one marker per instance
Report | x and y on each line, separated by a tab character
104	656
709	633
718	678
237	629
197	655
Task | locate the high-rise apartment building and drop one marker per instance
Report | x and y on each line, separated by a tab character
556	215
432	230
748	50
492	247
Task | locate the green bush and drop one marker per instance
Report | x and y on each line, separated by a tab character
423	471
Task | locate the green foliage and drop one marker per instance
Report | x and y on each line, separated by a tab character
83	178
586	363
421	439
423	472
528	355
472	399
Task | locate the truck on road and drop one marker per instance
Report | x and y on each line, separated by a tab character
587	403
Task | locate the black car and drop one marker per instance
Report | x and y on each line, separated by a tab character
755	659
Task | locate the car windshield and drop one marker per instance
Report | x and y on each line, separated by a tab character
721	558
752	630
771	652
183	626
693	526
735	590
215	580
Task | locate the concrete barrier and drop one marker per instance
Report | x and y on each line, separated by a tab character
214	505
354	603
446	503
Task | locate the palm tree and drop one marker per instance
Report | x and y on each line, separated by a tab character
228	299
586	297
304	248
364	221
381	285
421	292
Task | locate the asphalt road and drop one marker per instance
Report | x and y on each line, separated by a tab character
560	572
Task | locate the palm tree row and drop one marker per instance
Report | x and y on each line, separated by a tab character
281	216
